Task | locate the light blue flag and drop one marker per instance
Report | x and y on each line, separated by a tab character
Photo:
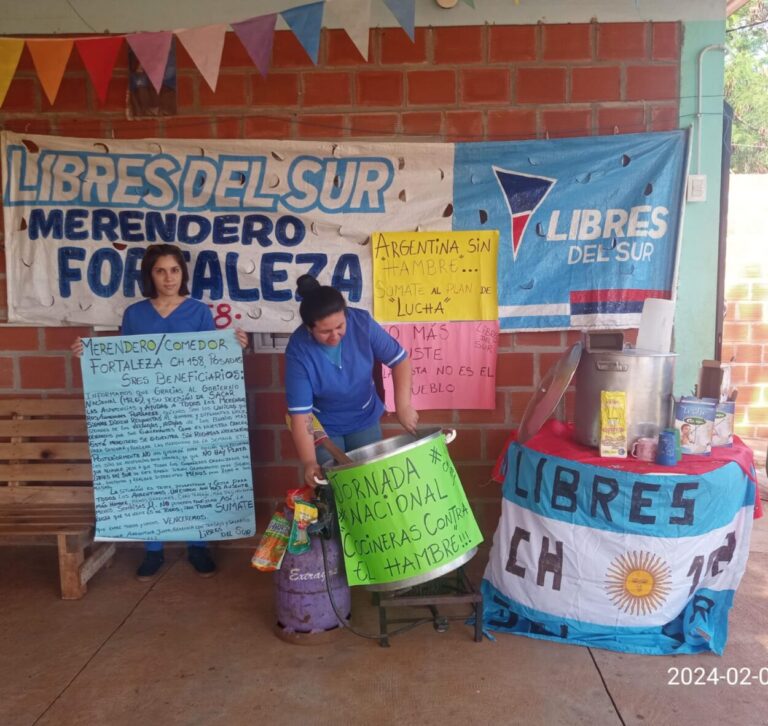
588	227
405	13
306	22
642	563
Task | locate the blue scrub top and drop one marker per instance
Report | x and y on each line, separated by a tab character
191	316
343	397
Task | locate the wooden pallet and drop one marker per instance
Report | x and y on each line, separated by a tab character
46	487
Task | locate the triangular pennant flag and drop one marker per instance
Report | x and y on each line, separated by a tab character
355	17
99	56
10	52
205	46
152	51
257	35
50	56
405	14
306	21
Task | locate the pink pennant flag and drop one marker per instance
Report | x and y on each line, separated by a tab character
50	56
152	50
205	46
99	56
257	35
10	52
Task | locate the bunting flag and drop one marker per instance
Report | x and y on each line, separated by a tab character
355	17
99	56
152	50
10	52
405	14
471	3
306	21
205	46
256	35
50	56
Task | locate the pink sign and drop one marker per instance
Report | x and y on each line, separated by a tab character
453	363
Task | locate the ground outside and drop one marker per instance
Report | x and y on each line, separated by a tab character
184	650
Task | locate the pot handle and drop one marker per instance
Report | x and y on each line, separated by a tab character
450	435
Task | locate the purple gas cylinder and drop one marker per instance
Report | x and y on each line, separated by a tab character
304	611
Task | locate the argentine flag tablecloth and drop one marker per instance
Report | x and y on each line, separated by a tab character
643	563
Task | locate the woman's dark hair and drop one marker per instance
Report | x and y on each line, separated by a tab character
151	255
318	301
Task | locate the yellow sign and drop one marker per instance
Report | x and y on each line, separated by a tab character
434	276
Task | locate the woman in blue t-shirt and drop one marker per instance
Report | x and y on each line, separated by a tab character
167	309
329	374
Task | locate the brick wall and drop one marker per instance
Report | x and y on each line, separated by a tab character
452	84
745	343
745	329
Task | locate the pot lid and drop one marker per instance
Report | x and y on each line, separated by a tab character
548	394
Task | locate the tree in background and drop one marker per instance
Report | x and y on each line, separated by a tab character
746	86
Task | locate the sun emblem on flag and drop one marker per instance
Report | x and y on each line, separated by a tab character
638	582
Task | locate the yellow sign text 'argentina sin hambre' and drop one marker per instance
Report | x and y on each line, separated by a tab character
434	276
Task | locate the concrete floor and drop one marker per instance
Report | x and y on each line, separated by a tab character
184	650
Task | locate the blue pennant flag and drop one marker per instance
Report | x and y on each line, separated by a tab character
405	12
306	21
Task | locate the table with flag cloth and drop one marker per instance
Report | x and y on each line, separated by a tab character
618	553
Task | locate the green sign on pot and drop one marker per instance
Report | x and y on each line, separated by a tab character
402	515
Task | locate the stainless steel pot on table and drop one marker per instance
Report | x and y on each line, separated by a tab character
647	378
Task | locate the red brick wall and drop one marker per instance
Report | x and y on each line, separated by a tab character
452	84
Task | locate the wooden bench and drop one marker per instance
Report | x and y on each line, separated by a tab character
46	488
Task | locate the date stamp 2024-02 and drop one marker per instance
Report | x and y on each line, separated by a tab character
715	676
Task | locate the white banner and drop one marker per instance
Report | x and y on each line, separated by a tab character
252	216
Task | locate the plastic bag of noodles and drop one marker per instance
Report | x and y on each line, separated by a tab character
269	554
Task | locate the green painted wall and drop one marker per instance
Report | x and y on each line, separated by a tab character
697	282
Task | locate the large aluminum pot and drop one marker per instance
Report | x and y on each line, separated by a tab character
403	515
646	377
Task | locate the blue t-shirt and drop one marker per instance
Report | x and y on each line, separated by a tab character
191	316
342	396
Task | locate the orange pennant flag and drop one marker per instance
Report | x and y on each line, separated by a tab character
50	57
99	57
10	52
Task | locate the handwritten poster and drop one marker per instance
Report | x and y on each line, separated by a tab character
168	435
403	515
434	276
453	365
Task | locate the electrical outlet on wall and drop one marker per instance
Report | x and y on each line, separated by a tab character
696	189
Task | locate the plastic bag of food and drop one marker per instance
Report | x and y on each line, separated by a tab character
269	554
304	514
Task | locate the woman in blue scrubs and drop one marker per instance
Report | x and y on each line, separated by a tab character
168	309
329	374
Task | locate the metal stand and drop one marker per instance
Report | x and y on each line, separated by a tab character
452	589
